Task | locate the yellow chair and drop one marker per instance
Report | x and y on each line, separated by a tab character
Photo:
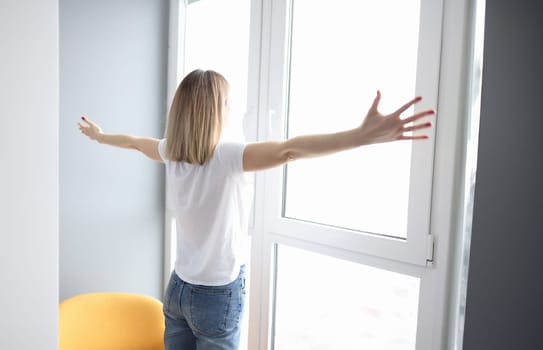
111	321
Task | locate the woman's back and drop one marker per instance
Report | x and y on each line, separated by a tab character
211	204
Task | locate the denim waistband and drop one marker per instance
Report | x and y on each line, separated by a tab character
242	270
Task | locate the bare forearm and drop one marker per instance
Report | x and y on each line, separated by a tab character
146	145
117	140
376	128
269	154
307	146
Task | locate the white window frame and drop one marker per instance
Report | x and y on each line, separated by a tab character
415	248
174	45
439	214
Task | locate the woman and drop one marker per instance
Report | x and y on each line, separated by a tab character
204	300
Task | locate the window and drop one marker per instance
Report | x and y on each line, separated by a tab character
325	62
216	37
383	214
331	83
375	200
214	34
317	296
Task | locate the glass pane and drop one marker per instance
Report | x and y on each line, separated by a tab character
342	52
327	303
217	38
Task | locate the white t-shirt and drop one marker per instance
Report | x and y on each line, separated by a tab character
211	204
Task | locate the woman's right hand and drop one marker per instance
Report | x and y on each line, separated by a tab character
92	130
377	128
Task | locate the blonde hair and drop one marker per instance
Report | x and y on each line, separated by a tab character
196	116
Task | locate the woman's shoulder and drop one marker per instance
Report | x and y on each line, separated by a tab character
162	149
230	154
231	146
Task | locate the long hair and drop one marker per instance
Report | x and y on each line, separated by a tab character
195	119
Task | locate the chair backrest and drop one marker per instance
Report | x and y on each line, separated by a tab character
111	321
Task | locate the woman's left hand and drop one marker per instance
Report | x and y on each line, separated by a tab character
92	130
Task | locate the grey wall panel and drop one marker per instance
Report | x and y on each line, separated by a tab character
505	286
113	61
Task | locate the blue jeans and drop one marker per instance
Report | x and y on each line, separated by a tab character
203	317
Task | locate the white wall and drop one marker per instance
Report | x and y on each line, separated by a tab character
113	59
29	107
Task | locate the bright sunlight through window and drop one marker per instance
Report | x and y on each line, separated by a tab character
342	52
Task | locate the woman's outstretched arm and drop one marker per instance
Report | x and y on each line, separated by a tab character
376	128
146	145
